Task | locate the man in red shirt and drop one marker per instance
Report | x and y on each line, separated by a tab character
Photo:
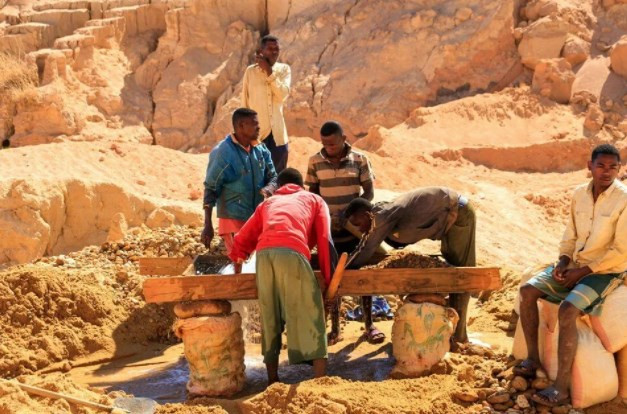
283	230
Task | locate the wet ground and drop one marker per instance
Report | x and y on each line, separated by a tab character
161	373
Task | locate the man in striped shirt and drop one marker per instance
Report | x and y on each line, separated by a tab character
338	174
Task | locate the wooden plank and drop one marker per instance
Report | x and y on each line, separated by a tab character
355	282
163	266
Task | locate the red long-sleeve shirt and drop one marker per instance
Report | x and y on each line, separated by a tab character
292	218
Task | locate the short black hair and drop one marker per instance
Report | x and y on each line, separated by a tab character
268	38
241	113
357	205
605	149
331	128
290	176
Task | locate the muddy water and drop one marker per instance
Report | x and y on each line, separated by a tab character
161	373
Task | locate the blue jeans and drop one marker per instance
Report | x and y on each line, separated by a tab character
278	153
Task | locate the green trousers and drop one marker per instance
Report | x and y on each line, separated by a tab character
458	248
458	244
290	297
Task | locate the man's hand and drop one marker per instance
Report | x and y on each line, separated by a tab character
207	235
263	64
558	270
571	277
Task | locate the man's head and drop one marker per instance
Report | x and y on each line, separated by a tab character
359	213
290	176
245	125
333	138
604	165
270	48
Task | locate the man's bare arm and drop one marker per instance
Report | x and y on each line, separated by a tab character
314	188
368	193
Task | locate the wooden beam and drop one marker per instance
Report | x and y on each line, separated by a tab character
355	282
163	266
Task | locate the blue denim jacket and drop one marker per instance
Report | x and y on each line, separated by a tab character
235	177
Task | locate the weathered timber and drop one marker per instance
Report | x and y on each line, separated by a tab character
355	282
163	266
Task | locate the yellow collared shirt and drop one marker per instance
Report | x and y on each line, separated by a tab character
596	233
266	95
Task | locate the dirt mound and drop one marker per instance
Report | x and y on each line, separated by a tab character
66	307
409	259
195	406
14	400
428	394
495	311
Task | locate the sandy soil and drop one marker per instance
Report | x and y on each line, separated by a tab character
86	304
74	307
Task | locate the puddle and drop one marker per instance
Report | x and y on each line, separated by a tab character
163	377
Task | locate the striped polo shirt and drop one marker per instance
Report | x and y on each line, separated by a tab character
339	186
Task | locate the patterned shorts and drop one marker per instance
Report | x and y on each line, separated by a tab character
587	295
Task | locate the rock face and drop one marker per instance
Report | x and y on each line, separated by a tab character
553	78
415	55
594	118
206	47
65	201
371	62
43	116
364	63
556	28
618	56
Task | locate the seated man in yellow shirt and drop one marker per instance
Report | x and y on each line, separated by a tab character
592	263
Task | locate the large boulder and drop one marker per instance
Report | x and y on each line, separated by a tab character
553	78
43	115
543	39
576	50
618	56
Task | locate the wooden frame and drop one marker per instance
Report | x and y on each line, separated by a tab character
355	282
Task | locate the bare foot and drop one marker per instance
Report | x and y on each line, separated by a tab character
333	338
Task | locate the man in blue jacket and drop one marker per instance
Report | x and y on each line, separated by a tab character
239	174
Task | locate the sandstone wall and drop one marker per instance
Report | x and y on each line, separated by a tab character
40	218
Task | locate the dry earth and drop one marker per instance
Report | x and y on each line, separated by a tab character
501	100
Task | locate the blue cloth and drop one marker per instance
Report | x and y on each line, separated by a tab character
380	309
235	178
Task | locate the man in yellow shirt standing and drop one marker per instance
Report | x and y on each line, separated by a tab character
592	263
266	86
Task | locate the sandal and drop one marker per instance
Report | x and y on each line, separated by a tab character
374	336
550	397
527	368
